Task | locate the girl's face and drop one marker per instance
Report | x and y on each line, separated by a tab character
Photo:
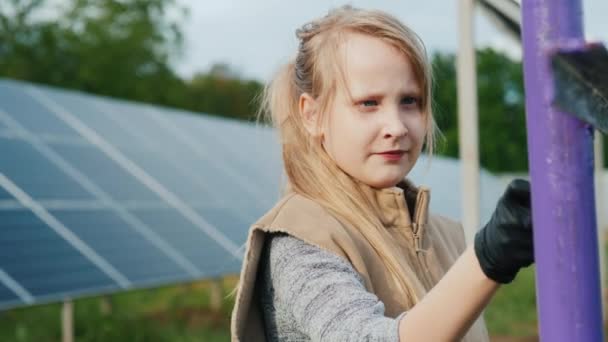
375	129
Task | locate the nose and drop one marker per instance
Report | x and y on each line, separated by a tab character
394	126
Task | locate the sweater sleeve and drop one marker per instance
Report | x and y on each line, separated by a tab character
325	295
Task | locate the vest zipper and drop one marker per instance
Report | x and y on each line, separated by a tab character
418	230
422	264
417	237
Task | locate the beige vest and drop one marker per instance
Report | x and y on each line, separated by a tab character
437	240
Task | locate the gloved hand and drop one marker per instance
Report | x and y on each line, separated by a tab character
504	244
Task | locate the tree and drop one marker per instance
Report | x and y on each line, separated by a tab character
221	91
502	129
111	47
445	106
118	48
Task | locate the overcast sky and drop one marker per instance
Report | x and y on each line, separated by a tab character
256	36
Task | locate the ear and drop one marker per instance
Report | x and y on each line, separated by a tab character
310	114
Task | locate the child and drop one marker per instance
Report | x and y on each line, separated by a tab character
350	253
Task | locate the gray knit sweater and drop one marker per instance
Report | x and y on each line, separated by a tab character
309	294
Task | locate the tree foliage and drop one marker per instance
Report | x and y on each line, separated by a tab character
502	127
501	110
119	48
220	90
109	47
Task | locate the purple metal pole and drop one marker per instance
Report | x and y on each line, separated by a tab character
561	170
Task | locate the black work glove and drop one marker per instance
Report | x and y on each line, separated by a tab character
504	244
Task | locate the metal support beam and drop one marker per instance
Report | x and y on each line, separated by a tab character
105	305
215	294
581	85
67	321
561	169
600	205
468	134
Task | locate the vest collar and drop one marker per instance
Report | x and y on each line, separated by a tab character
402	206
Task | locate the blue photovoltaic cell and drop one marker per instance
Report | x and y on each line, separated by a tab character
90	110
232	224
198	247
43	262
4	195
8	297
35	174
174	175
234	149
194	178
30	113
243	141
156	156
218	188
105	173
221	142
121	246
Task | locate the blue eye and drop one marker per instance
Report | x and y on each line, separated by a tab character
410	100
369	103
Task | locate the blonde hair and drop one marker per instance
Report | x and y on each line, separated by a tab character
311	172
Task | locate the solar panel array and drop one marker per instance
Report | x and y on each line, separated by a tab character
99	195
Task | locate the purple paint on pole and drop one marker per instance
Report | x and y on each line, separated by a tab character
560	150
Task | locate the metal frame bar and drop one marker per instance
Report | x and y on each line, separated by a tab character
561	169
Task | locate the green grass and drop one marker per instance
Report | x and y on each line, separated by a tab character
512	311
178	313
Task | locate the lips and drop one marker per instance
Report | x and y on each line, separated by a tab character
393	155
393	152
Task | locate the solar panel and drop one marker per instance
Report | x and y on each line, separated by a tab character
97	195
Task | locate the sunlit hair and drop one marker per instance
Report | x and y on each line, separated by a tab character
317	70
